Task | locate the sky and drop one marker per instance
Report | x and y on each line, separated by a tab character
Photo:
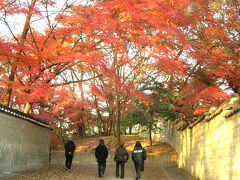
16	22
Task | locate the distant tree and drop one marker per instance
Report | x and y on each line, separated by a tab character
150	113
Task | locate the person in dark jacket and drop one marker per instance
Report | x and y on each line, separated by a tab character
101	153
121	157
139	156
69	153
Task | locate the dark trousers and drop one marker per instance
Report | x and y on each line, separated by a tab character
69	161
122	169
138	173
101	168
138	167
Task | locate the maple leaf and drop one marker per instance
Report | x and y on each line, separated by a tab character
95	91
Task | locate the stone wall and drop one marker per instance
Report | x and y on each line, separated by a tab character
209	147
153	160
24	142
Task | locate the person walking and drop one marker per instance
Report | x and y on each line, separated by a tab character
139	155
121	157
69	153
101	153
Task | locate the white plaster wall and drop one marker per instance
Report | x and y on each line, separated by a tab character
24	146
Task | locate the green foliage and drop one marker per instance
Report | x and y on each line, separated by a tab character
161	108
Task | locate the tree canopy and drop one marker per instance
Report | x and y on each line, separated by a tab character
87	60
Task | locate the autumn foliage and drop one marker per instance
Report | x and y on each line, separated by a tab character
88	60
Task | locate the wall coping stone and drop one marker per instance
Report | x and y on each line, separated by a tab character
23	116
229	107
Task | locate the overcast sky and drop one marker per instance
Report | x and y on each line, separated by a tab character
16	22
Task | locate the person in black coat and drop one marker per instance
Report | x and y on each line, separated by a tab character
101	153
69	153
139	156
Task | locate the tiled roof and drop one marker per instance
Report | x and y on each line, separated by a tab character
23	116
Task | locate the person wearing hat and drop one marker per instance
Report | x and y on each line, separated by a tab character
101	153
121	157
69	147
139	156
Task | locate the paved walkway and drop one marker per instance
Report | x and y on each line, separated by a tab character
157	167
89	172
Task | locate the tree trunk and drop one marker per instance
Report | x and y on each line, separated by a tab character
150	134
99	129
130	130
109	128
81	130
60	131
118	118
81	87
27	108
7	97
114	129
8	94
99	116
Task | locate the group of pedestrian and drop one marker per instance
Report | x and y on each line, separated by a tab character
121	157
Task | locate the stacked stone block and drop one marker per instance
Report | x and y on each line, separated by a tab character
210	150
